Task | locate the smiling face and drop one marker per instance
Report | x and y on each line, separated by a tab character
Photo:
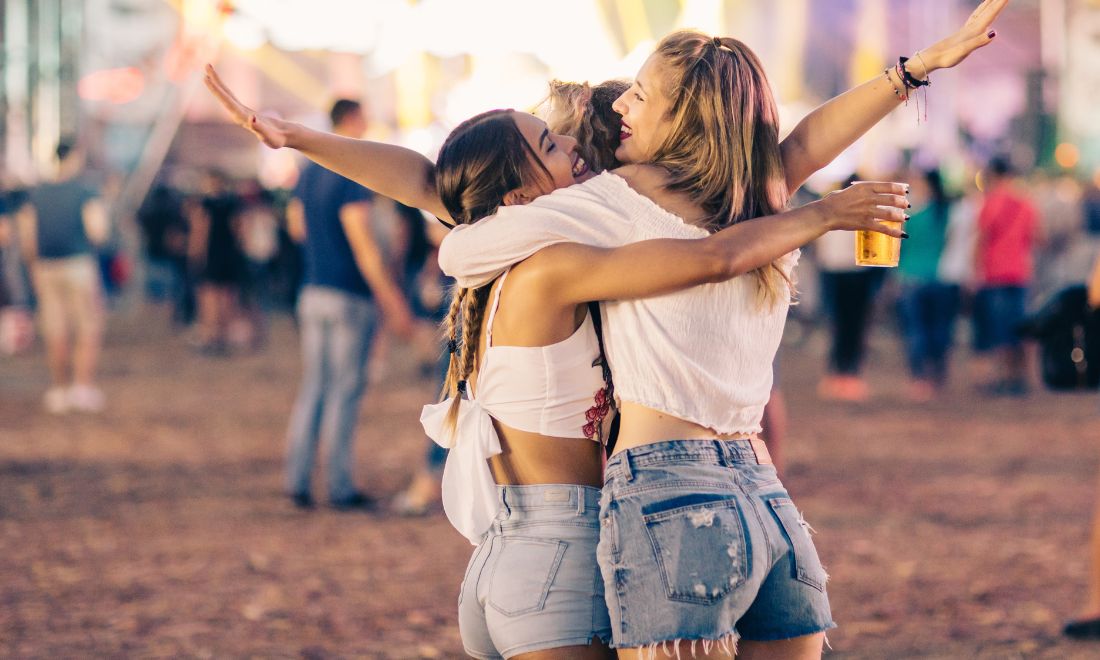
645	110
558	154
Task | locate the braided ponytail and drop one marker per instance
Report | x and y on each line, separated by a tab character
469	305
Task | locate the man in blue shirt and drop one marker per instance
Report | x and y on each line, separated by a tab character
347	288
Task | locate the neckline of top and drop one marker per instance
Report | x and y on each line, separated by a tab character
649	203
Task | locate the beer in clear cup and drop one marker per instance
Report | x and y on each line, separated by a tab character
876	249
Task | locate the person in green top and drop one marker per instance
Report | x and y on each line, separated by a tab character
927	306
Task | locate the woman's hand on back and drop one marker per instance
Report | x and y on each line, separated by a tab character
271	131
866	205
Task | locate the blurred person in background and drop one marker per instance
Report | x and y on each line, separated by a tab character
258	229
1062	257
16	321
1087	623
424	285
848	293
59	225
348	289
164	243
215	257
927	306
1008	229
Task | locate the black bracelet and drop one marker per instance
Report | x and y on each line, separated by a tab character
907	78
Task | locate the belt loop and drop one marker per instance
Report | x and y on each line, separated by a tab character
578	491
503	492
723	449
627	468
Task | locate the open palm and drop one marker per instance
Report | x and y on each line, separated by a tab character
974	34
269	130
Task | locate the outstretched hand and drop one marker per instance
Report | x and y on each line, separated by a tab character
271	131
974	34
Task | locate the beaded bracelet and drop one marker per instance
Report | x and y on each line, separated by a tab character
899	92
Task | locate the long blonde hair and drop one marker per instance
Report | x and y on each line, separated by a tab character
723	146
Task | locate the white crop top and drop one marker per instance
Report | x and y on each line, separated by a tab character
703	355
540	389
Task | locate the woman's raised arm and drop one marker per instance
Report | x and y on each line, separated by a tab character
396	172
830	129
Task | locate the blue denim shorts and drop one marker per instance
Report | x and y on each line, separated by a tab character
533	583
700	542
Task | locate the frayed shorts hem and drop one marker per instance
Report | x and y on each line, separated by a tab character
732	636
778	637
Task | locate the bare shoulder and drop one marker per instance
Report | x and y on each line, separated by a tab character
543	270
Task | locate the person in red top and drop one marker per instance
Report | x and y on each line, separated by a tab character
1007	233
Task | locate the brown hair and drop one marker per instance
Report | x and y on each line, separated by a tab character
482	159
723	147
584	112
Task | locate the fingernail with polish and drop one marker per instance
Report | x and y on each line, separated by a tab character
904	235
991	34
908	206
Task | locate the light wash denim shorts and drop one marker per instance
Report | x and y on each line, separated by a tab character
700	542
533	582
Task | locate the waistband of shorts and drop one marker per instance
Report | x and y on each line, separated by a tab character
549	498
711	452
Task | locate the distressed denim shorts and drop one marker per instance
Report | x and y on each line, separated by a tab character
533	582
700	542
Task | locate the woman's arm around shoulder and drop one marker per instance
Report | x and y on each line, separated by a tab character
570	273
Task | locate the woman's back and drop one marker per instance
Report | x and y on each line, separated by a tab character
537	378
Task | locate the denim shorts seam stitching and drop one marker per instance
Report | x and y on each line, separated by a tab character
670	485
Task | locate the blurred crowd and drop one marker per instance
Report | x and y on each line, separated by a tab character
988	250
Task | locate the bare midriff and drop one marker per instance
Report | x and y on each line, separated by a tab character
529	459
640	425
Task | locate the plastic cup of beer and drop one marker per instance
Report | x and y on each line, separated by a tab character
875	249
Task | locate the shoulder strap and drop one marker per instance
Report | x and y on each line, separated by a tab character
493	311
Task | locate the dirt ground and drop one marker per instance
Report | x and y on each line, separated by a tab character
956	529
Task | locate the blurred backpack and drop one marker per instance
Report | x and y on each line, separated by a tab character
1068	332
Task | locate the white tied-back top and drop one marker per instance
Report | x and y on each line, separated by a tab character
703	355
538	389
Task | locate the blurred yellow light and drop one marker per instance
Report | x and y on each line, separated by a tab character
1067	155
979	181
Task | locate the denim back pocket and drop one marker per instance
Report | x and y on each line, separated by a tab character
523	574
806	564
700	548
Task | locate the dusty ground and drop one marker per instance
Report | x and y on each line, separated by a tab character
951	530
